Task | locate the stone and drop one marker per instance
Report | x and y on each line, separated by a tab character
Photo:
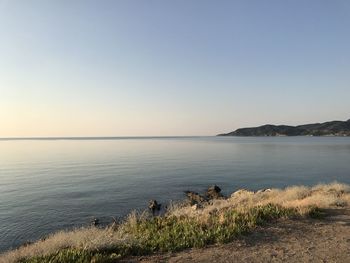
195	198
214	192
194	207
95	222
154	206
263	190
240	192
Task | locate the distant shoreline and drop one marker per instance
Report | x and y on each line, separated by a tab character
154	137
329	129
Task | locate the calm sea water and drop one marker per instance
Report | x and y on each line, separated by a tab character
49	185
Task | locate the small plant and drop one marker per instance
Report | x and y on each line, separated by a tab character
316	213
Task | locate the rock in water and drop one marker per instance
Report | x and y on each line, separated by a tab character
214	192
95	222
195	198
154	206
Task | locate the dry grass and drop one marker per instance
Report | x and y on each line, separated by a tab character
298	198
91	238
301	198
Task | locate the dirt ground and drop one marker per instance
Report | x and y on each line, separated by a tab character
306	240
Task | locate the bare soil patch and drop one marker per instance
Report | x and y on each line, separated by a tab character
299	240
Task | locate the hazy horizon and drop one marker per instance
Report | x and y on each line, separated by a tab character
83	137
161	68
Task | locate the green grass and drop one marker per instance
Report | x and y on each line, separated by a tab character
168	234
75	256
316	213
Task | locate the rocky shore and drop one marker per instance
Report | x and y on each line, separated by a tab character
292	224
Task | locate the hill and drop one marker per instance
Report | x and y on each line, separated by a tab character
331	128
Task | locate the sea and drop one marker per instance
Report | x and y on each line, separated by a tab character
53	184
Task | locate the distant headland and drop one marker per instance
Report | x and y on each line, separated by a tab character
331	128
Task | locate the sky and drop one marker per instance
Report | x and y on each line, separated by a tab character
164	68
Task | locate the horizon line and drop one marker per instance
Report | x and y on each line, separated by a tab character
97	137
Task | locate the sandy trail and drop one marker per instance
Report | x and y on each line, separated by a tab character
307	240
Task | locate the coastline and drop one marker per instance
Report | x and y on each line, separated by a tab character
104	179
195	223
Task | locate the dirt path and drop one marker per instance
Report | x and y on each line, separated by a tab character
311	240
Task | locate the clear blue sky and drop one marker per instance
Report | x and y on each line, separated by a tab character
93	68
